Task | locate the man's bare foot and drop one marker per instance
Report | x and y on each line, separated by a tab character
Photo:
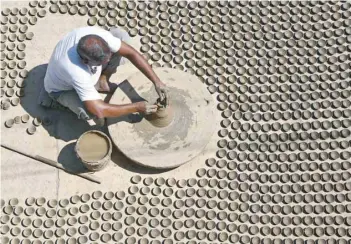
102	85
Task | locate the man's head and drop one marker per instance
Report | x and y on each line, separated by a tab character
93	50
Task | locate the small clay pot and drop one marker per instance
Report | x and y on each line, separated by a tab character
29	35
31	130
13	28
72	221
11	64
85	197
30	201
96	205
41	211
59	232
26	233
60	222
33	3
9	123
51	213
23	73
37	223
25	118
13	74
11	83
5	105
106	216
23	11
94	225
92	21
3	74
4	19
48	234
73	10
84	208
11	46
42	4
20	56
54	8
26	222
10	55
37	233
73	211
4	29
21	37
120	195
109	195
97	194
3	40
83	10
24	20
53	202
93	11
6	11
13	19
23	29
33	20
112	22
135	179
63	9
74	199
17	119
9	92
71	231
40	201
102	21
21	46
82	239
21	64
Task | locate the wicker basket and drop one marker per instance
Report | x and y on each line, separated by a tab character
95	165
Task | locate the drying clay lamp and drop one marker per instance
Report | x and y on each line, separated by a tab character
175	134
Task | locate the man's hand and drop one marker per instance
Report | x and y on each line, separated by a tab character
146	108
162	92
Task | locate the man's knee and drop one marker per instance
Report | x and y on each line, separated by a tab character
71	100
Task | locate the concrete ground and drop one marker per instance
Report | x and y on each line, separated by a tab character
280	172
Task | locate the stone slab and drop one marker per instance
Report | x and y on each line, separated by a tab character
164	147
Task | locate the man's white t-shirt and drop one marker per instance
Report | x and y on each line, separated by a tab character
66	71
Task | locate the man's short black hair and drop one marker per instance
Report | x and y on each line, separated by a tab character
93	48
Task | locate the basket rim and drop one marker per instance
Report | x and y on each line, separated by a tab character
100	160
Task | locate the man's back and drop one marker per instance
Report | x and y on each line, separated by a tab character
66	68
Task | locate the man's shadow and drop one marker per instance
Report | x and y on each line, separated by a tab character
63	124
67	127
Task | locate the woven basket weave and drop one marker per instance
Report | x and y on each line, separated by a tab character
96	165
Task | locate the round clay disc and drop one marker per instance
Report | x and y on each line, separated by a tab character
179	142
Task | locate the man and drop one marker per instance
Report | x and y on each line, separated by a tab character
81	66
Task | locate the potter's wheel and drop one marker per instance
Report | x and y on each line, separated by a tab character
184	138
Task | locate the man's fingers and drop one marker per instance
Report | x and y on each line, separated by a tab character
151	109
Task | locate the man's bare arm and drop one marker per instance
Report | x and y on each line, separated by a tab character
141	63
138	61
104	110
